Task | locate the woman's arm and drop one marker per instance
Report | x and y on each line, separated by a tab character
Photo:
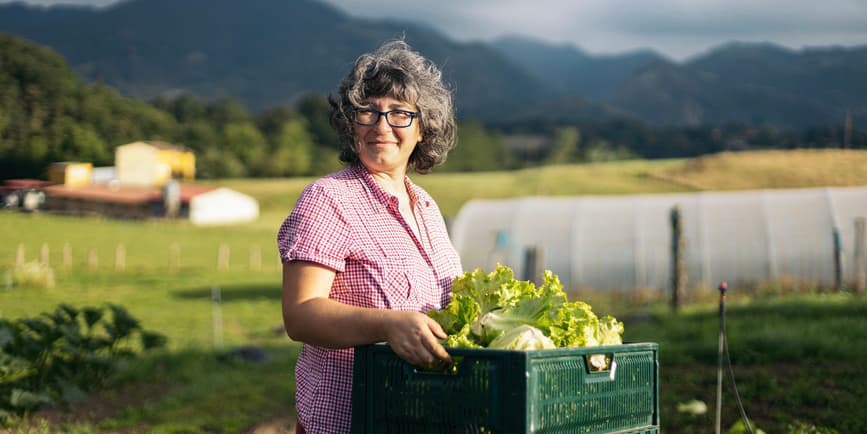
310	316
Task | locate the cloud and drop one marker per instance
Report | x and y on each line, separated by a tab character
677	28
94	3
737	17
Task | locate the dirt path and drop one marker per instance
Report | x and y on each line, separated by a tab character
274	426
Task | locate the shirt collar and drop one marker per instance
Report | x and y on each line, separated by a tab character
415	191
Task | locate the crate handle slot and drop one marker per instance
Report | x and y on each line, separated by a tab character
440	368
600	367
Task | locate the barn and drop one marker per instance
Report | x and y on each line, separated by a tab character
153	163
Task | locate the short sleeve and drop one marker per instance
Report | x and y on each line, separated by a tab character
316	230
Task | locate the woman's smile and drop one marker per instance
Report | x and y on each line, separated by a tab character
386	148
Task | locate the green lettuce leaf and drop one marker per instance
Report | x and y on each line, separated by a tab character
522	338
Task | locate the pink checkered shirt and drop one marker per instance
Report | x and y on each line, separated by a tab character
346	222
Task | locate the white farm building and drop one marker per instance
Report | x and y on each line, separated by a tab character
222	206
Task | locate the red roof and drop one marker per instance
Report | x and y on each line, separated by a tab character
125	195
10	185
18	184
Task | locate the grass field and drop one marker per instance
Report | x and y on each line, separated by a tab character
796	358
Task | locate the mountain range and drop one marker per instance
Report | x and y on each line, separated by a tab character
270	53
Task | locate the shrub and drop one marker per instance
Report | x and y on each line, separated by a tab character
33	273
58	357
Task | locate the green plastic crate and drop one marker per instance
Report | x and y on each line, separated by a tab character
497	391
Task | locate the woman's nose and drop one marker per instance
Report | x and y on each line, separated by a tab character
382	123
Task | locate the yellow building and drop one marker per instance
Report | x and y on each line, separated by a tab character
152	164
70	174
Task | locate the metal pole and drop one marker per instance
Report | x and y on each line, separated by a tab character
723	286
217	317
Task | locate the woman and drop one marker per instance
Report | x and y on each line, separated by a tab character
365	251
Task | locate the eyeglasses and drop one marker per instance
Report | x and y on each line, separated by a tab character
394	118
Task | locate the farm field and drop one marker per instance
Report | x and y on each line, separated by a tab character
794	356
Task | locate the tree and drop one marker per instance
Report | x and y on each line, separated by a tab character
566	143
316	109
199	135
81	143
227	111
293	153
476	150
185	108
245	141
214	163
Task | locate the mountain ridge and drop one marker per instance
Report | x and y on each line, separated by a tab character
270	53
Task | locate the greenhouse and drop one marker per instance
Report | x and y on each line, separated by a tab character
627	242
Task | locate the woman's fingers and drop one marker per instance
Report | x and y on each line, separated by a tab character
414	337
437	330
434	345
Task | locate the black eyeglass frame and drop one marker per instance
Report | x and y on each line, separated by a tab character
412	116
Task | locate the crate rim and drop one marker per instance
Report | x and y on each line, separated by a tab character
626	346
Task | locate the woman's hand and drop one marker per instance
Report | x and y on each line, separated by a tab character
414	337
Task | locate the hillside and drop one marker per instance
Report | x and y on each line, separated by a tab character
275	52
570	70
745	83
270	53
752	84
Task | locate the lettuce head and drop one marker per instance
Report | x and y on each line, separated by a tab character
494	310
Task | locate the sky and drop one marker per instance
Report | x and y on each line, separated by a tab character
678	29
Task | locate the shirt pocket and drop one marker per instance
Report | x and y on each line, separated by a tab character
397	284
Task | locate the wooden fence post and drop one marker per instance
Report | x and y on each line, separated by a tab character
20	258
838	259
533	260
255	258
120	257
67	255
174	257
45	255
223	257
678	261
859	256
93	259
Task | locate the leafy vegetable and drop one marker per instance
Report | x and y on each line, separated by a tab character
523	337
493	310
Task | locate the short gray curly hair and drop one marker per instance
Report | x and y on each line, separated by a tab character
394	70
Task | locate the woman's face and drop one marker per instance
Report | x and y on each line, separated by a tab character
382	147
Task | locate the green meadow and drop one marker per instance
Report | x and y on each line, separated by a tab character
797	358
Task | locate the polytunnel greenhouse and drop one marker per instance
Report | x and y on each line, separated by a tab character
626	242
